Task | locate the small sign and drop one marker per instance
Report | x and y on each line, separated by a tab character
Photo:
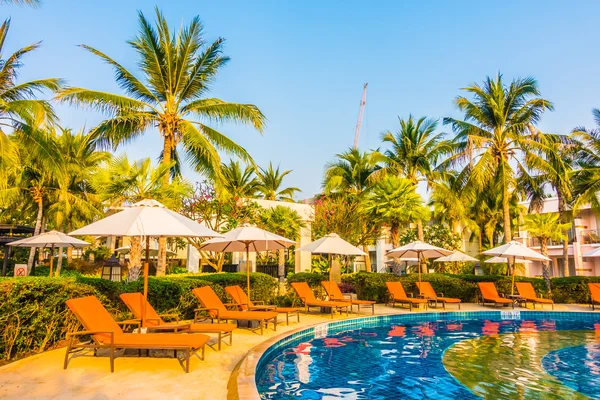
321	331
510	315
21	270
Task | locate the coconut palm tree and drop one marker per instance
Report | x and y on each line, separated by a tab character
414	151
546	227
20	111
586	179
270	184
32	3
498	123
449	202
177	70
395	202
238	181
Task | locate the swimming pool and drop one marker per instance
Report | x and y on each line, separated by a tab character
463	355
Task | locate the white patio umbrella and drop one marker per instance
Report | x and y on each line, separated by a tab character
592	253
50	239
247	238
332	244
456	257
147	218
504	260
153	251
420	250
514	251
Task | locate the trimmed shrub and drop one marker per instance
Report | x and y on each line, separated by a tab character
263	286
572	289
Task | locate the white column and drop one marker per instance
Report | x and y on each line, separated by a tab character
380	254
303	258
193	259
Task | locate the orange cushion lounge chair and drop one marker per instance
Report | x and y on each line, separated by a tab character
489	294
106	333
594	294
398	295
427	292
527	292
217	310
154	322
335	294
306	295
245	304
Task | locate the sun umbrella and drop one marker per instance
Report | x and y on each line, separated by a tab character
504	260
592	253
515	250
420	250
247	238
50	239
332	244
456	257
153	252
147	218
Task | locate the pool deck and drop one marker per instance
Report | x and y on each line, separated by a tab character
42	376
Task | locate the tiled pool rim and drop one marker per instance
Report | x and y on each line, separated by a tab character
245	376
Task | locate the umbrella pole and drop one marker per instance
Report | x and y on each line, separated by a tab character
514	267
51	259
146	268
330	268
248	270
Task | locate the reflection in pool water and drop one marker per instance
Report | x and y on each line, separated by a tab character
463	359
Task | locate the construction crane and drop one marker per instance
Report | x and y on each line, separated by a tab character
363	101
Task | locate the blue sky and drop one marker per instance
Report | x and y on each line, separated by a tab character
304	63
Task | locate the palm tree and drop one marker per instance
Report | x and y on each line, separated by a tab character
546	227
394	201
270	184
414	152
238	182
449	202
32	3
282	221
498	124
178	69
352	174
20	111
586	179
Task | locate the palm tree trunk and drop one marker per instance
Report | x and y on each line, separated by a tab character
565	243
161	267
506	213
135	253
367	258
69	249
281	264
38	226
60	261
395	234
545	263
421	237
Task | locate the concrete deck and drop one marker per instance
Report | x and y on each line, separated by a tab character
42	377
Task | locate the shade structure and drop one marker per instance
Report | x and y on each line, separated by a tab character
456	257
332	244
147	218
153	252
504	260
420	250
592	253
50	239
247	238
513	251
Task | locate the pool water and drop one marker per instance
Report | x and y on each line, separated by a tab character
466	358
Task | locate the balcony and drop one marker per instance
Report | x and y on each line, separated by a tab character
535	242
590	236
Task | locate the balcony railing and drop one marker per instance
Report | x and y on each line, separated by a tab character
590	236
533	242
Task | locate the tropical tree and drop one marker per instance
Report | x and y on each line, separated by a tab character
239	181
282	221
351	175
270	182
586	179
395	202
20	111
32	3
499	122
414	151
177	69
449	202
546	227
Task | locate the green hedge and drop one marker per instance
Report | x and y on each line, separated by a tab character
573	289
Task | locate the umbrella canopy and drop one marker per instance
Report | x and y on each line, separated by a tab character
515	250
247	238
504	260
332	244
456	256
420	250
50	239
147	218
153	252
592	253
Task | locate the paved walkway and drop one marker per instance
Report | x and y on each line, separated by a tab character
42	376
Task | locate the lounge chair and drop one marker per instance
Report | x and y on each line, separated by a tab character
594	294
335	294
306	295
489	294
527	292
398	295
217	310
105	333
245	304
154	322
427	292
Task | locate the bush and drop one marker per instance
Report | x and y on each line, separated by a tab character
263	286
572	289
312	278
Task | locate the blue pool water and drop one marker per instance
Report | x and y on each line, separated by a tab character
466	356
